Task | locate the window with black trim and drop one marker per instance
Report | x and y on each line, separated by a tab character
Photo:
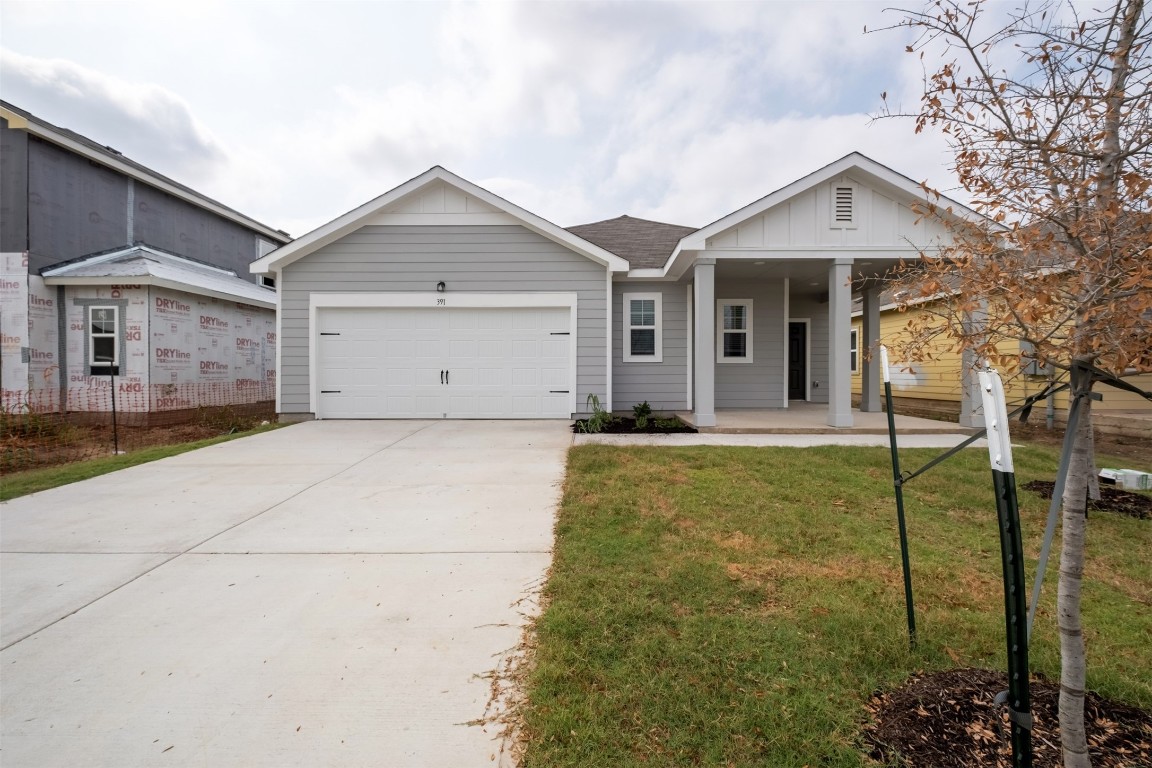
104	341
854	351
734	331
643	334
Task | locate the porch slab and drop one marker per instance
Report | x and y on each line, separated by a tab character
810	419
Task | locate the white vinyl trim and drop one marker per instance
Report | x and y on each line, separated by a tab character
786	305
691	346
747	331
658	327
608	344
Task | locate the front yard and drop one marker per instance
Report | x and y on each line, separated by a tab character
740	606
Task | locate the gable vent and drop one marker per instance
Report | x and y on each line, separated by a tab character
843	206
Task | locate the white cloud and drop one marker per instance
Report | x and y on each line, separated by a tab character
164	134
575	110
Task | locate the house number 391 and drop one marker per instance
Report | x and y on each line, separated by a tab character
441	302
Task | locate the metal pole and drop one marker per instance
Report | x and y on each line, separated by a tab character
1012	559
898	486
112	384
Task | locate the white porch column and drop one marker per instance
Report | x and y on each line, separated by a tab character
870	370
839	337
704	331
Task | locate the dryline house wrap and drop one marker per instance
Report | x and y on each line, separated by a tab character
168	332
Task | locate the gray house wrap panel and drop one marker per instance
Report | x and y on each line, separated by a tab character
468	259
74	207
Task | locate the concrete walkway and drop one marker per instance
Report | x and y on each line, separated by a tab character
324	594
778	440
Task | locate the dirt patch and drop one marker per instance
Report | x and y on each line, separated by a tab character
1111	500
70	443
948	720
625	425
1131	448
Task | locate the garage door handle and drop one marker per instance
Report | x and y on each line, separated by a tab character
445	377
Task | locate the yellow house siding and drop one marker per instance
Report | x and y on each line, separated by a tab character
939	379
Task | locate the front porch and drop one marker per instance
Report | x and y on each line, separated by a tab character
801	418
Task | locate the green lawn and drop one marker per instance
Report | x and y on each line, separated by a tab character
737	606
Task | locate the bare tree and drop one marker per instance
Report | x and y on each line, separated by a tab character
1049	116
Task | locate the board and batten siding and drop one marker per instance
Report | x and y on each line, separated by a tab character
467	258
759	384
805	221
665	384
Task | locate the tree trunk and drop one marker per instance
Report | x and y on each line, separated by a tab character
1072	662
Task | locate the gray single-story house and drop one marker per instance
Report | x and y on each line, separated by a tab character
440	299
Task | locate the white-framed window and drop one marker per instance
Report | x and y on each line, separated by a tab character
267	282
103	339
734	331
643	328
854	350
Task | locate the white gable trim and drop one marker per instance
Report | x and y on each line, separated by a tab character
374	211
854	162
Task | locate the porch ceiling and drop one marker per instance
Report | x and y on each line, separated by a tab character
807	276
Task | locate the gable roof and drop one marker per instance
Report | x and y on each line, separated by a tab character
881	176
145	265
19	119
356	218
645	244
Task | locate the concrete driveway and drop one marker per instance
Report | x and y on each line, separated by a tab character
327	594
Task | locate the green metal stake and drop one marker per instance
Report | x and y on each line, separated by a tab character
1012	557
898	485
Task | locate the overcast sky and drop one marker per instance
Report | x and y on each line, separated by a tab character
296	112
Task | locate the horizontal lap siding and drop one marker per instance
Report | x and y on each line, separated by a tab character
664	385
476	259
759	384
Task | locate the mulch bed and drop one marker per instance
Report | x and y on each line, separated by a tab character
1111	500
624	425
948	720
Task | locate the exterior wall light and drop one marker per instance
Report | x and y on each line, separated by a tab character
440	287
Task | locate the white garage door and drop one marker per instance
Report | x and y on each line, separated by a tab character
404	362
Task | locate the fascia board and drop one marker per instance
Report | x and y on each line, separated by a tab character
349	222
44	132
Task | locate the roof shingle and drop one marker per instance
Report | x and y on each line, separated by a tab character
644	244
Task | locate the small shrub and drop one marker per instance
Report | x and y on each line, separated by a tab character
599	419
642	412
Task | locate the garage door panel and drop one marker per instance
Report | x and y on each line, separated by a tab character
390	362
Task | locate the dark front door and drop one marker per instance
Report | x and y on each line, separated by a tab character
797	362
